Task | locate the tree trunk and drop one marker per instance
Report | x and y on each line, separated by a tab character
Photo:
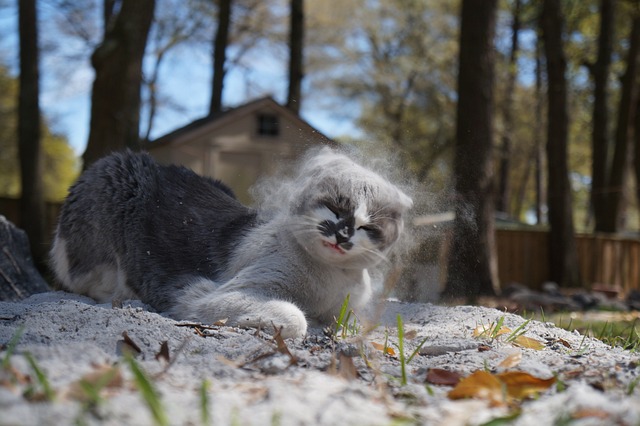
296	67
472	265
563	262
539	157
626	110
29	138
636	151
220	55
600	135
115	98
503	200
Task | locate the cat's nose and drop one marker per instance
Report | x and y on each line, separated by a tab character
343	233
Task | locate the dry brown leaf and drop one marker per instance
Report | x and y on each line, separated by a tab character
481	385
347	368
388	350
282	347
500	388
164	352
128	345
590	412
511	360
529	343
410	334
103	377
439	376
522	385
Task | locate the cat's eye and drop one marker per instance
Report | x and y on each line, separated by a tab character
333	210
369	228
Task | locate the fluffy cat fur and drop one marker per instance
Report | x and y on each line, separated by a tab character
183	244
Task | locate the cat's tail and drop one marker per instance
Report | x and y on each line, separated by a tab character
202	301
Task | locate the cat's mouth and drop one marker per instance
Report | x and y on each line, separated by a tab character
333	246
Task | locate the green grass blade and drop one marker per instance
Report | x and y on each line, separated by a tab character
342	315
11	346
148	392
49	394
205	415
518	331
403	365
415	352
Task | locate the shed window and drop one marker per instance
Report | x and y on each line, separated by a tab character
268	125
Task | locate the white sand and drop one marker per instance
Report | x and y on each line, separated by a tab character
251	383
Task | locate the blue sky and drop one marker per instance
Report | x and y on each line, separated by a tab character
185	80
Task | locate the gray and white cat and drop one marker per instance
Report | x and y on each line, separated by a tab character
183	244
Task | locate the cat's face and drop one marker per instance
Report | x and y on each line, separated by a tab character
348	216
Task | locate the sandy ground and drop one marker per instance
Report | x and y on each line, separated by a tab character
227	376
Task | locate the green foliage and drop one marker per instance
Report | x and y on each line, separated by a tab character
60	165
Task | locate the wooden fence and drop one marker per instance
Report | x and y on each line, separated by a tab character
604	259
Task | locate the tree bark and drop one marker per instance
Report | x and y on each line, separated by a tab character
115	98
503	201
563	261
296	67
636	150
32	207
600	136
538	132
220	56
626	111
472	264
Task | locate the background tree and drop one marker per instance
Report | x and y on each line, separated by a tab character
221	42
563	260
600	133
399	78
504	164
619	167
29	136
472	266
115	96
184	24
296	43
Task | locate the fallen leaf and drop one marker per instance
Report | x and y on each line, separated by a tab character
522	385
410	334
128	346
500	389
164	352
439	376
528	343
92	384
388	350
489	331
480	385
511	360
282	346
347	368
590	412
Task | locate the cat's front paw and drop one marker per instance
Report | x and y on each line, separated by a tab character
274	315
201	302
